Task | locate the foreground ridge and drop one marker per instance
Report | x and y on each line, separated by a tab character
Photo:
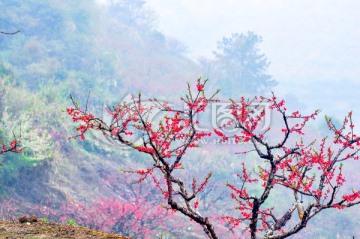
40	229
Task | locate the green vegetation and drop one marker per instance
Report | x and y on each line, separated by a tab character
72	222
110	51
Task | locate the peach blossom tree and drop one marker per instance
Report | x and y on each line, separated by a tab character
310	172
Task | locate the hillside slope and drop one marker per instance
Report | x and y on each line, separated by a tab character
40	229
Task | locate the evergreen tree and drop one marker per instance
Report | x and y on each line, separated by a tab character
239	67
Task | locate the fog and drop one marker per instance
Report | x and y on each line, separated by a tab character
313	46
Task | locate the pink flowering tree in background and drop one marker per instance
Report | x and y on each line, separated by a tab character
12	146
311	172
136	218
135	212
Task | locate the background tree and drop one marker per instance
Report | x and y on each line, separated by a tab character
239	68
12	146
9	33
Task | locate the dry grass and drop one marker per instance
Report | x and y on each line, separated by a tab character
49	230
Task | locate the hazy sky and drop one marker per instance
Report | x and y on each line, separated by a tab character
313	46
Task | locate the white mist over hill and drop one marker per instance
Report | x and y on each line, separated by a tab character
313	46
